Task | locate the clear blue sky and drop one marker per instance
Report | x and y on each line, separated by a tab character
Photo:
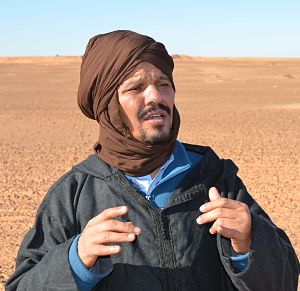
251	28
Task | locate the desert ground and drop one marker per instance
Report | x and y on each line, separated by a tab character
247	110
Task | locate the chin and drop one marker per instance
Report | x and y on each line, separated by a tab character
160	137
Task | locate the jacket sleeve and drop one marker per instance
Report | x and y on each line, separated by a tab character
42	262
273	264
87	279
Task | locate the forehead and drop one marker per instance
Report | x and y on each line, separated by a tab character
143	71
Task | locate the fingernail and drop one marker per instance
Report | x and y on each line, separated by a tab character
116	248
123	208
202	208
198	220
137	230
210	230
131	236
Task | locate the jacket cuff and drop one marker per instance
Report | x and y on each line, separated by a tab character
239	262
88	277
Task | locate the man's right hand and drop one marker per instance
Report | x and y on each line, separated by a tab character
103	229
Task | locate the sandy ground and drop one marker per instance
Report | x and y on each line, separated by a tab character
248	110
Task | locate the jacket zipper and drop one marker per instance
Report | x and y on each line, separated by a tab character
166	251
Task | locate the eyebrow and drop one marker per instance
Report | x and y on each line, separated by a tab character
132	81
163	77
137	80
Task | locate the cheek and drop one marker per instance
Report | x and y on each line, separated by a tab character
124	118
132	108
171	103
170	96
129	109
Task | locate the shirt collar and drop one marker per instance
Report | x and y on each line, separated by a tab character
176	164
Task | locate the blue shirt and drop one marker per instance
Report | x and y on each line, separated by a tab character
158	191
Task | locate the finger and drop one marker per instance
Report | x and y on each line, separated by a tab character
222	222
226	232
229	228
213	194
103	250
114	237
109	213
240	240
136	229
94	251
215	214
221	203
118	226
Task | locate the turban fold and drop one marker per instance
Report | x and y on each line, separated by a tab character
107	60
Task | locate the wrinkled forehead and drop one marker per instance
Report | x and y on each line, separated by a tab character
144	71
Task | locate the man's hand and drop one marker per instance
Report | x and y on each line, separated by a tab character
103	229
231	218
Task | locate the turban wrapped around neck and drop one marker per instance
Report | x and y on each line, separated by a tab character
108	59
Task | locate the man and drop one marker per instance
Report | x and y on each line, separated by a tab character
147	212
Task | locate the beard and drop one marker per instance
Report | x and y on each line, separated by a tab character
160	136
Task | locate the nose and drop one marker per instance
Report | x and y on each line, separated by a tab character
152	95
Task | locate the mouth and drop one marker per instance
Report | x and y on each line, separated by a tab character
156	116
158	112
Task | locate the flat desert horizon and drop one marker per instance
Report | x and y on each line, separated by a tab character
246	109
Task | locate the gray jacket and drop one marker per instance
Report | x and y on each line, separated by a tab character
172	253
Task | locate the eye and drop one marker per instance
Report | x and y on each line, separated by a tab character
137	88
164	84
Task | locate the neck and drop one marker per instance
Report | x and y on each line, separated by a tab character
153	173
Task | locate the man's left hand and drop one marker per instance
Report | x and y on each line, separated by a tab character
231	218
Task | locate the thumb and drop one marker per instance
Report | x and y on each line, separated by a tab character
213	194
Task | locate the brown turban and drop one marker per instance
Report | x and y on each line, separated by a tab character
108	59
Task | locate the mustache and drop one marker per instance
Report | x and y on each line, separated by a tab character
152	108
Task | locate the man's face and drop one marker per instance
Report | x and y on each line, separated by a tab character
147	99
